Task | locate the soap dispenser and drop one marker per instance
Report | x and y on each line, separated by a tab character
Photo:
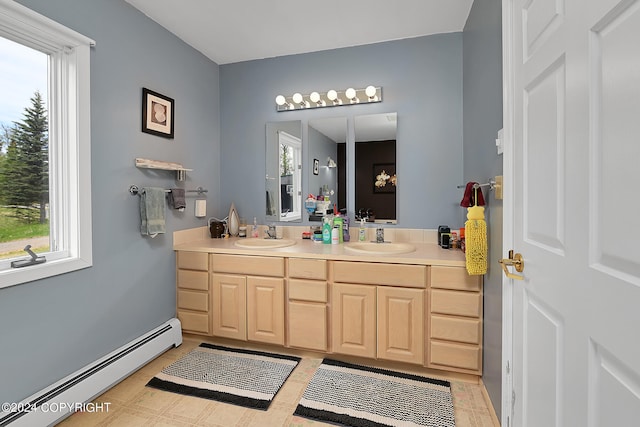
362	232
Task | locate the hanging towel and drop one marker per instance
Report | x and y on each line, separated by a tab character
469	198
475	235
176	199
271	210
152	211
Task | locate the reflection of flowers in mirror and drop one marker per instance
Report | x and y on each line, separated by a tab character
383	178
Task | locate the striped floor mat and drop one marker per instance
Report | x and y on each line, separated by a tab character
359	396
237	376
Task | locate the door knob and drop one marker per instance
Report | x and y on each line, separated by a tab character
516	261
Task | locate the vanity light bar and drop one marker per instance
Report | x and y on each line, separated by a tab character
331	98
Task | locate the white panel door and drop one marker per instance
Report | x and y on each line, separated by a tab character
572	113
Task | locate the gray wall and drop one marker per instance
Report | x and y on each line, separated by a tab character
482	121
421	80
53	327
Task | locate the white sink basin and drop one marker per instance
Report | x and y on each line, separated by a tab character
373	248
264	243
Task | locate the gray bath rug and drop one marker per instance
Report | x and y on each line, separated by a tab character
359	396
237	376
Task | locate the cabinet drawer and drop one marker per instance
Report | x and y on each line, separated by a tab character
307	290
455	355
189	279
454	278
308	325
248	265
191	300
194	322
412	276
455	329
193	260
308	268
456	303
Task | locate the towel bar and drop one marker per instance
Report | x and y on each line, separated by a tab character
134	190
491	184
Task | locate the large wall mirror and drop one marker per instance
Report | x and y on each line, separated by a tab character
375	167
327	139
283	158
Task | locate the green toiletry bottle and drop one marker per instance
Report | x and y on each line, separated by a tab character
326	230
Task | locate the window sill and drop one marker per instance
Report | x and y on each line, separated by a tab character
16	276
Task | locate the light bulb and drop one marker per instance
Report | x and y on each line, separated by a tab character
314	97
371	93
332	95
297	98
280	100
351	93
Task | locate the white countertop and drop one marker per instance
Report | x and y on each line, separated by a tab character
425	253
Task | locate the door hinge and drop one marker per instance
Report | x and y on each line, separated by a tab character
508	368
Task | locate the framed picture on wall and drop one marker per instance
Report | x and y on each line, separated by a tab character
158	113
384	178
316	166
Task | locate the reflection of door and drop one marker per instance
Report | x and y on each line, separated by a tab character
574	100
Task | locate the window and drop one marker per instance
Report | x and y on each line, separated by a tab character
65	147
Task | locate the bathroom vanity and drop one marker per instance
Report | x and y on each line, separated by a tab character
419	307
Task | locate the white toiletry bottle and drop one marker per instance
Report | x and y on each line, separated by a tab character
335	235
362	233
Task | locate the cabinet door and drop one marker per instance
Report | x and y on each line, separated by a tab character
400	324
265	309
308	325
354	319
229	296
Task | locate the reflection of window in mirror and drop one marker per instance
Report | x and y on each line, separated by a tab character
283	163
375	165
290	178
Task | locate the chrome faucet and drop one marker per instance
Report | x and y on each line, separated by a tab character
271	232
379	235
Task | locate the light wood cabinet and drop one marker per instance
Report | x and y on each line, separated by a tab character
418	314
353	319
454	341
245	306
400	324
307	311
265	309
229	306
385	322
192	293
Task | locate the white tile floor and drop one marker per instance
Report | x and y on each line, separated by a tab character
133	404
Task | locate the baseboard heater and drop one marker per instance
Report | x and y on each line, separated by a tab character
55	402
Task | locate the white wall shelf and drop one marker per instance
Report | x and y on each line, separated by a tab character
181	171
